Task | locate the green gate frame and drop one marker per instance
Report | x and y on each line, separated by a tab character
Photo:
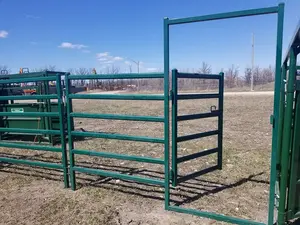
217	112
72	133
38	77
279	10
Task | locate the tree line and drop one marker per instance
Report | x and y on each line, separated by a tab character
233	78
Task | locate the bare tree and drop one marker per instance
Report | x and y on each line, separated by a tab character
231	76
82	71
247	76
4	70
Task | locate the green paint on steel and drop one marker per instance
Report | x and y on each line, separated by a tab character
166	112
29	146
117	96
280	17
70	126
286	139
117	117
116	136
220	16
279	10
294	188
28	97
174	127
214	216
29	131
118	175
62	129
220	120
119	156
31	163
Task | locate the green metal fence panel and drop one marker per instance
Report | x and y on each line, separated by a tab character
23	112
175	118
72	133
279	10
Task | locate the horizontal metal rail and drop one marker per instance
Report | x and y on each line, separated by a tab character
119	156
196	136
219	16
28	97
116	96
117	117
198	76
32	147
118	175
31	163
116	76
197	155
198	116
26	80
30	131
117	136
30	114
196	96
197	174
214	216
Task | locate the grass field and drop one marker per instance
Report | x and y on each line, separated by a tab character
36	196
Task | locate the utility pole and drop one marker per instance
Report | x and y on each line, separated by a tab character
137	63
252	66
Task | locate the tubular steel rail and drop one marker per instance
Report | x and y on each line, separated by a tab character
279	10
217	112
72	133
60	114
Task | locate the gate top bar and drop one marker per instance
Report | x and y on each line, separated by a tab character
219	16
295	40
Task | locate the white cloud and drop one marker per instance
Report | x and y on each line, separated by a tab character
152	69
103	54
105	57
108	62
117	58
127	63
3	33
71	46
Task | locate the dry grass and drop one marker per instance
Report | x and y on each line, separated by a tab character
36	196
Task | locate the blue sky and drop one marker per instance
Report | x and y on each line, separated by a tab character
99	33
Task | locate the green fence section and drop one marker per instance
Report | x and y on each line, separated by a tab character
214	112
72	133
279	10
287	140
33	118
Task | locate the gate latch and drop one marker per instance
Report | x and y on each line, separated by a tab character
213	108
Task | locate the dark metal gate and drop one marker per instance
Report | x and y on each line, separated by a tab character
214	111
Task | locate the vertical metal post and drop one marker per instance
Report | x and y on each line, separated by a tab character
62	130
70	123
294	162
280	18
281	114
220	120
166	113
286	142
174	126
